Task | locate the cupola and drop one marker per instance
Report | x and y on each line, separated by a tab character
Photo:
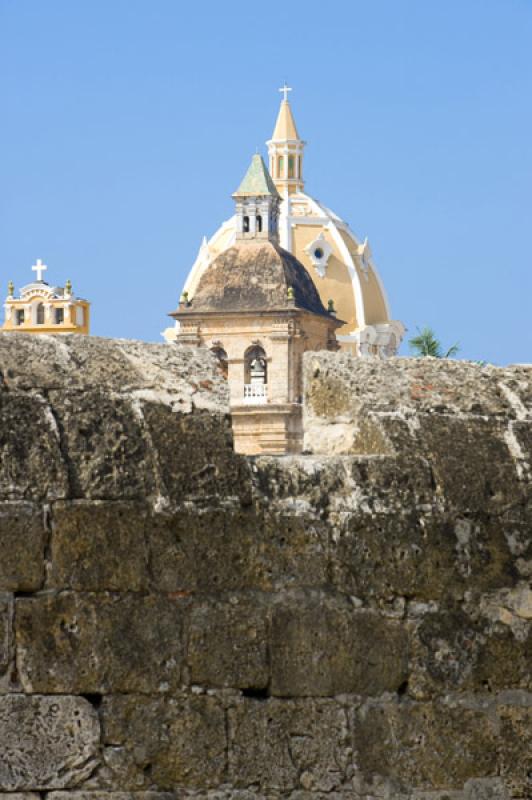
285	150
257	204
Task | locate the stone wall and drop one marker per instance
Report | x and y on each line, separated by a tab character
180	621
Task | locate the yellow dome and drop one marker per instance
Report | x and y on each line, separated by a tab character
340	266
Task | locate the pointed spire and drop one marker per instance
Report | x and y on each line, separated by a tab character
285	127
257	181
285	150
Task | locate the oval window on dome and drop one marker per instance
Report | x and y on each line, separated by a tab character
318	253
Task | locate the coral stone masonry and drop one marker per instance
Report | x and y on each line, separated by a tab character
181	621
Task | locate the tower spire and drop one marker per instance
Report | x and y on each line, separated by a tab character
285	149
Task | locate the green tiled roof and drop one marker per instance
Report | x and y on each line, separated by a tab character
257	180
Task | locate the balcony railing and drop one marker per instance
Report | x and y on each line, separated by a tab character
255	394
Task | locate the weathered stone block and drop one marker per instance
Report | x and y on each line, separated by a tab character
46	742
322	647
226	550
424	746
363	435
515	748
98	546
282	744
452	651
90	643
336	485
294	549
382	556
22	541
104	443
295	483
339	384
166	741
215	550
52	362
140	369
486	789
385	484
484	559
195	457
228	643
31	464
472	466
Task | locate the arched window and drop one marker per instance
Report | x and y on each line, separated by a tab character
255	366
39	317
290	166
59	316
221	355
280	167
259	223
19	316
245	226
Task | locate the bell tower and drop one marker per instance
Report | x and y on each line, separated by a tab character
257	204
285	150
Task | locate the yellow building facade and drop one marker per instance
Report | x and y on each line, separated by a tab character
340	265
41	308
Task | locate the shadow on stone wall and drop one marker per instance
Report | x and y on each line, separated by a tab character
178	620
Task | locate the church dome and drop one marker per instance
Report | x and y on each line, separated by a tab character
256	275
340	265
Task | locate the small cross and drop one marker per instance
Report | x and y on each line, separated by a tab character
285	89
39	268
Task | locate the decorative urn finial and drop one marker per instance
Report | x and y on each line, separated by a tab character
68	287
10	289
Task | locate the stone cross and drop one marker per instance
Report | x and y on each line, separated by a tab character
285	89
39	268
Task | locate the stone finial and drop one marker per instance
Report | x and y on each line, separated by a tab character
184	299
330	307
10	289
290	293
68	287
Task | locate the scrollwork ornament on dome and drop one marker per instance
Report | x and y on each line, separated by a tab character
319	252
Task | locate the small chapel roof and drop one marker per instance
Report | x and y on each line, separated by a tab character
257	180
256	276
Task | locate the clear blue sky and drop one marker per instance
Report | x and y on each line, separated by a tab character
126	125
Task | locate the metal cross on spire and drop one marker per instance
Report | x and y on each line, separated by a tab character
285	89
39	268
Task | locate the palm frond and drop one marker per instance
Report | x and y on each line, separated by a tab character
452	351
426	344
